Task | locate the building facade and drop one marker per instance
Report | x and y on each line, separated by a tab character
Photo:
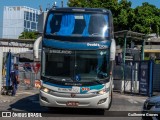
17	19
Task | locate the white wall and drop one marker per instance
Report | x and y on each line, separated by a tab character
13	49
13	23
1	28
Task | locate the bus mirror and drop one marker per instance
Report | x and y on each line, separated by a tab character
113	50
36	47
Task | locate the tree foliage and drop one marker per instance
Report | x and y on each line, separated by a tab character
28	35
147	19
144	19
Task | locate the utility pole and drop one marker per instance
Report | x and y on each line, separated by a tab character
62	3
54	5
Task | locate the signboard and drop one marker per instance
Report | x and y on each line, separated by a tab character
144	78
36	67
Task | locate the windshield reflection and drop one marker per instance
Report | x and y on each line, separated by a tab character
76	65
73	24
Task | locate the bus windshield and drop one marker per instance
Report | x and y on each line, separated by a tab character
76	65
77	24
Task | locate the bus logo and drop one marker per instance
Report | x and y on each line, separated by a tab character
73	95
78	78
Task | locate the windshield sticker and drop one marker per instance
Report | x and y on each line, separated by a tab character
75	89
91	89
78	78
103	47
85	89
79	17
103	53
60	51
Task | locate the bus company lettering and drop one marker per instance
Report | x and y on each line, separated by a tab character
93	44
97	45
61	51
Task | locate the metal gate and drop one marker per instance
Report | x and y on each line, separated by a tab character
139	75
131	81
136	77
156	78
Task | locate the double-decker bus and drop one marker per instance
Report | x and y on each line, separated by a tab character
78	50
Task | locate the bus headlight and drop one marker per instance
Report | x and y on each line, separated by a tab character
45	89
101	92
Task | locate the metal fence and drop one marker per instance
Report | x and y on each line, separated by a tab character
156	78
140	77
28	79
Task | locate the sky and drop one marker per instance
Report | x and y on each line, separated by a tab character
44	3
29	3
136	3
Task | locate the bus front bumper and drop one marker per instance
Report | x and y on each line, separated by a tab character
100	101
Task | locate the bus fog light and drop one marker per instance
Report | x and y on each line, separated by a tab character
102	101
44	99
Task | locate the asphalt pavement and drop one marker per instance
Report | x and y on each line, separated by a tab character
28	101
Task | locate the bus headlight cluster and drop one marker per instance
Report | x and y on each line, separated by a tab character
45	89
103	91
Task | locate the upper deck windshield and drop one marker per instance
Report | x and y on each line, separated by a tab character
77	24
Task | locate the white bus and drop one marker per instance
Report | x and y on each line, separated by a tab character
78	50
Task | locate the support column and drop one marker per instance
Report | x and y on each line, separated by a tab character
8	69
142	50
1	62
124	58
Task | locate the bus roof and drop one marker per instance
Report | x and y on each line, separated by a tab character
78	9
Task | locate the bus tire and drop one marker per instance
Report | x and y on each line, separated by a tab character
51	108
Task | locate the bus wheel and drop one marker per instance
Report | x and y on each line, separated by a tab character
52	108
101	111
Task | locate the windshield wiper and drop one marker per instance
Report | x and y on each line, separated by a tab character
51	78
48	79
98	81
50	33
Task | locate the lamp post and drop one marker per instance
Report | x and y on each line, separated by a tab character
62	3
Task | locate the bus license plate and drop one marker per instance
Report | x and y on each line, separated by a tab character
72	103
